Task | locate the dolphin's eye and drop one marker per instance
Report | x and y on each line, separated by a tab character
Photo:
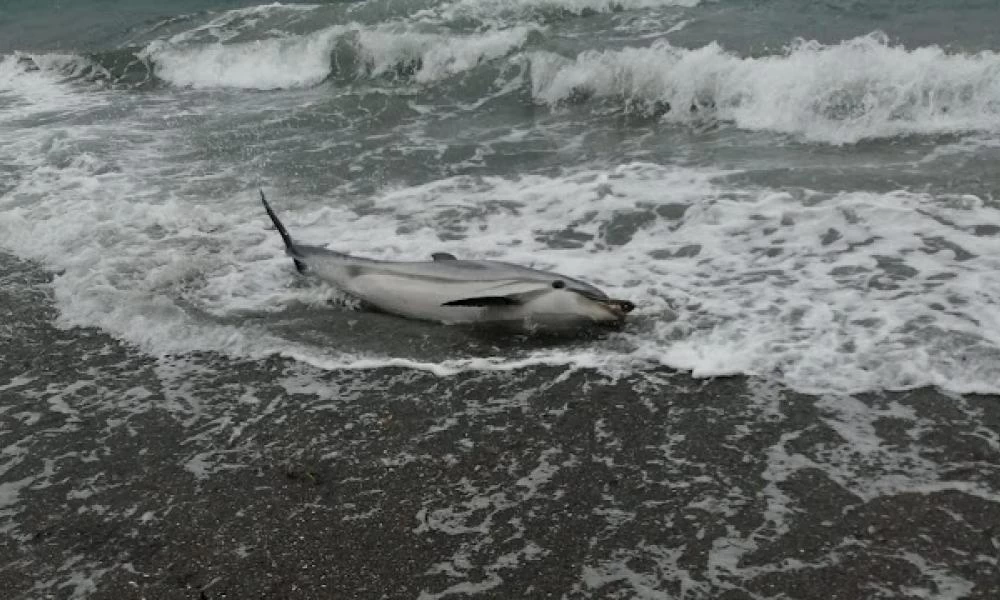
558	284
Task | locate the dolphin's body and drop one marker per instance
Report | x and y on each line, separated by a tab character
449	290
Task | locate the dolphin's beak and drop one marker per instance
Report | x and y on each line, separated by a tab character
623	305
619	308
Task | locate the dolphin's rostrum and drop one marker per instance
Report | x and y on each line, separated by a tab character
450	290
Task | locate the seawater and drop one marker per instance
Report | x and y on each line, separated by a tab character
813	203
799	197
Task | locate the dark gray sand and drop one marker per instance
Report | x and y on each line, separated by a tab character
125	476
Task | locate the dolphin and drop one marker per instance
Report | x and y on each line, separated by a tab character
448	290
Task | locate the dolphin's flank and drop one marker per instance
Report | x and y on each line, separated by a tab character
449	290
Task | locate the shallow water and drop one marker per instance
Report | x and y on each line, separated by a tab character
800	196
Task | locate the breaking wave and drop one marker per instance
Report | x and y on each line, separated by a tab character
31	85
862	88
488	10
279	63
304	61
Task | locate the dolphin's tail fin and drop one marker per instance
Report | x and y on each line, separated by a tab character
289	244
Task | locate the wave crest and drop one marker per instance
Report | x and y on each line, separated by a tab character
278	63
304	61
490	10
842	93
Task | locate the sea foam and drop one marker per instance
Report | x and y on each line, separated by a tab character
842	292
30	85
825	292
858	89
276	63
489	10
298	61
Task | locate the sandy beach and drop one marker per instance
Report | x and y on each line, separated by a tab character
203	477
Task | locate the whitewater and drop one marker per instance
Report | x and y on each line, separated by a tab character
800	198
815	281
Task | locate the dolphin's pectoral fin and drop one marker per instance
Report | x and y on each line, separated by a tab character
443	256
484	301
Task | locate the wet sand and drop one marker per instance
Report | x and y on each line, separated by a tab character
124	476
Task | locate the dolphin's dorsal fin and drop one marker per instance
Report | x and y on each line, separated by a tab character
437	256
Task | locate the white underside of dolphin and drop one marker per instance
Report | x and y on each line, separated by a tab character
449	290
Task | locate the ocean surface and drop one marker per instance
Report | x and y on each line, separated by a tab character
801	198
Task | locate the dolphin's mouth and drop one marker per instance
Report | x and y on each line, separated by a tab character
619	308
623	305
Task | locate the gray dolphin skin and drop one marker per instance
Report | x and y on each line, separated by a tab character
449	290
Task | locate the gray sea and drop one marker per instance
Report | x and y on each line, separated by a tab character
802	199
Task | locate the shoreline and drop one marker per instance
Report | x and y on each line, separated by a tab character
128	477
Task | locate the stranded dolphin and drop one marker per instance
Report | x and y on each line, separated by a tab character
449	290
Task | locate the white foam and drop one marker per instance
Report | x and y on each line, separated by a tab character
824	292
439	55
946	583
77	577
31	85
804	289
844	315
757	313
230	24
619	572
858	460
277	63
297	61
902	293
490	10
472	521
841	93
9	492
